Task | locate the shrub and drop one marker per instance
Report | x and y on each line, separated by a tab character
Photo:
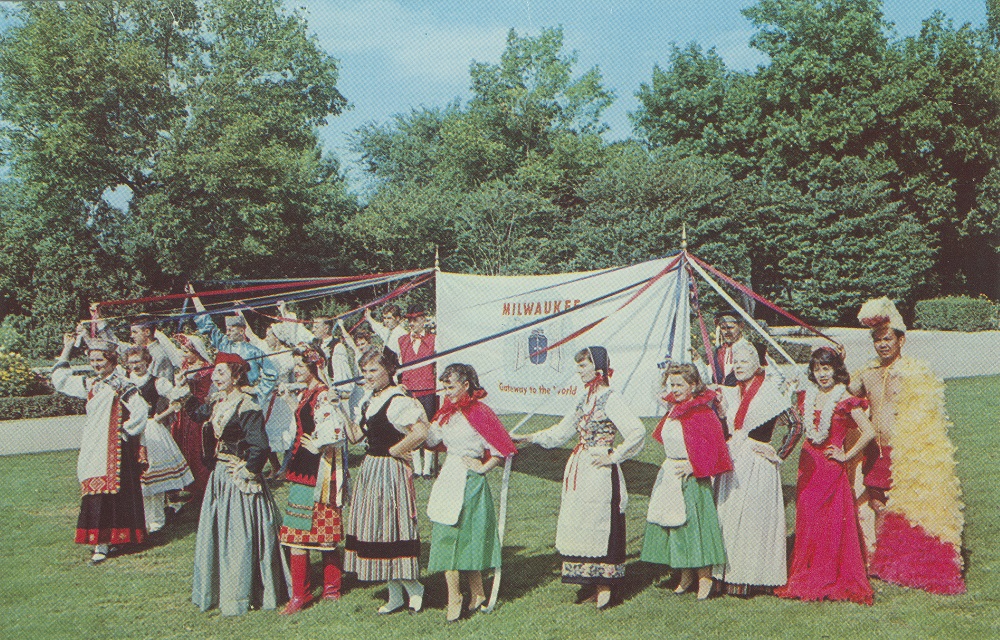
45	406
956	313
16	377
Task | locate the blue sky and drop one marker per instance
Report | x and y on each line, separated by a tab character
396	55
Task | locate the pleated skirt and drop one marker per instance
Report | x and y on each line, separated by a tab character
168	470
696	543
382	541
473	543
238	564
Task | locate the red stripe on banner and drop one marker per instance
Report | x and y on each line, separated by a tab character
746	290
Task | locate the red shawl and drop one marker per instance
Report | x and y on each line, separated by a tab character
481	417
703	436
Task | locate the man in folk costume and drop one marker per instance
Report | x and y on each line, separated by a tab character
143	333
749	498
909	476
391	329
338	364
109	466
168	471
729	331
263	375
420	382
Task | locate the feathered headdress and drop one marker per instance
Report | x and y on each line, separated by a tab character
880	312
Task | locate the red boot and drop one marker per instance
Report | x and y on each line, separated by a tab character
301	593
331	576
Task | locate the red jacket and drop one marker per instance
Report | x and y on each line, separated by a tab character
420	381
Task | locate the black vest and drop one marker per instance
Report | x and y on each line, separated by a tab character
381	434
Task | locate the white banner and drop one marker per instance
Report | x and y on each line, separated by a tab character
640	337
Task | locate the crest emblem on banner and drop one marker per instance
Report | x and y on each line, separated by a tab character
537	342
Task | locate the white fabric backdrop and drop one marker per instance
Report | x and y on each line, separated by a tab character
639	337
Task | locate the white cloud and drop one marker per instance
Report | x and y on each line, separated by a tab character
414	41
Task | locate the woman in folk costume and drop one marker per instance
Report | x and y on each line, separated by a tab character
109	466
237	560
465	537
748	498
317	472
279	417
590	533
382	542
682	529
910	481
190	356
168	471
828	561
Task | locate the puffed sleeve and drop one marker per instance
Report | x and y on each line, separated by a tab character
404	411
64	381
138	411
628	424
558	433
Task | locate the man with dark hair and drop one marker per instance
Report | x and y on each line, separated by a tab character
421	382
391	329
909	474
108	468
142	330
730	331
262	374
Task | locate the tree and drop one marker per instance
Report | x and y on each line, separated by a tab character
203	113
490	182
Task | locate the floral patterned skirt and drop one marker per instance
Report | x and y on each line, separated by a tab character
607	569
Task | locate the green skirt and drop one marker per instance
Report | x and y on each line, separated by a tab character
697	542
471	544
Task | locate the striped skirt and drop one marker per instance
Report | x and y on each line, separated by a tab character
168	470
382	541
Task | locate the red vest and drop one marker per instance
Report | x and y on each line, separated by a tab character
420	381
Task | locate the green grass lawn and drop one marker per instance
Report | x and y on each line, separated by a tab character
47	590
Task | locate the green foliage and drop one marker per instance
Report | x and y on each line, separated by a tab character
16	377
41	406
957	313
869	164
203	114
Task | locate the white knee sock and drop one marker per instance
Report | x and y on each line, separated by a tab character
153	506
395	595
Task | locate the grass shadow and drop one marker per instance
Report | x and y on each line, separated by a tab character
548	464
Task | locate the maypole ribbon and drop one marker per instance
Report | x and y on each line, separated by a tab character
761	299
277	286
579	332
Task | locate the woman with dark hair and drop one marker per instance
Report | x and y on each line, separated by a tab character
590	533
237	560
682	529
382	542
828	561
193	371
465	537
317	471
